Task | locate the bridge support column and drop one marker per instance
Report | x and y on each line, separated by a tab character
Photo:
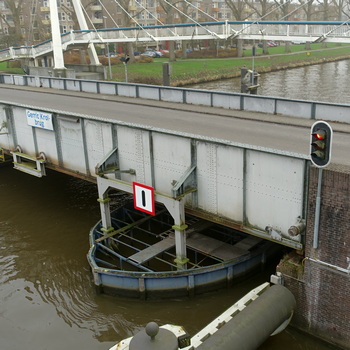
56	36
176	208
105	209
180	244
177	211
83	26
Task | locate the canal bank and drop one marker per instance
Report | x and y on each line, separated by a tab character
185	72
271	63
327	82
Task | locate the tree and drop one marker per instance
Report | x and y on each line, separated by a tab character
238	8
308	8
324	9
341	9
284	11
15	35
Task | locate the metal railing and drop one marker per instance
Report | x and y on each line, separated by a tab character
311	31
252	103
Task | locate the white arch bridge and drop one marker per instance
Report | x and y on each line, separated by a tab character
308	31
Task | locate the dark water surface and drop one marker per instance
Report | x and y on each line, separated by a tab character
48	300
328	82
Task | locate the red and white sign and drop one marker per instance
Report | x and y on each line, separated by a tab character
144	198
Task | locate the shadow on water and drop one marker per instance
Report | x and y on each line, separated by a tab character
48	298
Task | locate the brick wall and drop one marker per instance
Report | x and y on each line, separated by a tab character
323	291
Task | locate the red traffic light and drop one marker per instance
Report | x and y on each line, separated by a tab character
321	144
320	134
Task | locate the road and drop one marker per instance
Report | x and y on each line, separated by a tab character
258	129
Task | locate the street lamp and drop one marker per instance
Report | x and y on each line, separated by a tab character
109	57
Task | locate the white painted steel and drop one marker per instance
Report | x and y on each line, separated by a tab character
171	95
247	185
220	178
99	142
24	132
149	93
258	104
5	137
295	108
56	36
194	97
271	105
57	83
45	140
134	153
128	90
172	157
274	195
225	101
326	112
71	142
107	88
87	86
73	85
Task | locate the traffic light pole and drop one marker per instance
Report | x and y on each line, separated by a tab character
321	137
318	208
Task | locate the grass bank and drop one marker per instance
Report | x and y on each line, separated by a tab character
192	71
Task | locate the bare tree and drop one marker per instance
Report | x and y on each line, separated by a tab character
15	35
308	8
341	9
263	8
284	9
324	9
238	8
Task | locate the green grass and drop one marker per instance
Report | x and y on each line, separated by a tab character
10	70
190	71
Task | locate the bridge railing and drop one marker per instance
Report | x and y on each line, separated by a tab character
263	30
254	103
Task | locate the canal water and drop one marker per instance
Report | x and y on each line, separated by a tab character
48	300
328	82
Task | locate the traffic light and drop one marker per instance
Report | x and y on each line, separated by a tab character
321	144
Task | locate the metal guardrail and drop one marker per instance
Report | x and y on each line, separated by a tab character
252	103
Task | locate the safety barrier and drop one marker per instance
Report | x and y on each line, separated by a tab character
252	103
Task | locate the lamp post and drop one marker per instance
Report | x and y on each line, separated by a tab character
109	57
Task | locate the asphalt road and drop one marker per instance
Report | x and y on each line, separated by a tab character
258	129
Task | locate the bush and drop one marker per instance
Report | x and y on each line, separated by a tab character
147	80
144	59
114	60
15	64
213	53
72	57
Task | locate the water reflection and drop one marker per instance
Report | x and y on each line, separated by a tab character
327	82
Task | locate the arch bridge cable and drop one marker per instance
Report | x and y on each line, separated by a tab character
111	17
136	22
